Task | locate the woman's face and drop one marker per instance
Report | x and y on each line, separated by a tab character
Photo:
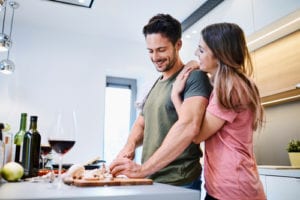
207	60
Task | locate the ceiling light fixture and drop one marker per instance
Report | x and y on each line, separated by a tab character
82	3
7	66
2	4
4	39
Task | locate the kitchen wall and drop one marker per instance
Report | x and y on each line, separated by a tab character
282	125
57	69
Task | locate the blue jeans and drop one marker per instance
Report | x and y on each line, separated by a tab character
195	185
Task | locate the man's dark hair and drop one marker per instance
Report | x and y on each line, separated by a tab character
164	24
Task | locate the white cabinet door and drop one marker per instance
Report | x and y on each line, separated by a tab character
282	188
263	181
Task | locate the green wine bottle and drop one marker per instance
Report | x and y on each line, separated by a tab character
31	149
18	139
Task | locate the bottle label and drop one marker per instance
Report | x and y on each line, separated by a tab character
18	153
8	147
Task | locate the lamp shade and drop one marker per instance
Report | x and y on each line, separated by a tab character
7	66
5	42
2	2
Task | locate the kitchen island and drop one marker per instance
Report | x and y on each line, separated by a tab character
29	190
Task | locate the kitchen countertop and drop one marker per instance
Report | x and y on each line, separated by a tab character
277	170
29	190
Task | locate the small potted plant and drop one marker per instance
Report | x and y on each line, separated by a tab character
293	149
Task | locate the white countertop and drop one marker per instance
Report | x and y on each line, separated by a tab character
277	170
28	190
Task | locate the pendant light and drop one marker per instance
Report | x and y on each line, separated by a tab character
2	4
4	39
6	65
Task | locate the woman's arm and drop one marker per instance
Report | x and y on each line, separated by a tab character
178	87
210	125
179	84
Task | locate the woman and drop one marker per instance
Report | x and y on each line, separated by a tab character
233	113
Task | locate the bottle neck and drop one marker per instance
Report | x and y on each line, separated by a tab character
33	124
23	123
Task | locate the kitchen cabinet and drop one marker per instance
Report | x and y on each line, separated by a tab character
277	69
278	188
280	183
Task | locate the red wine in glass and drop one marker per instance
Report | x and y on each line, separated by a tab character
63	136
45	150
61	146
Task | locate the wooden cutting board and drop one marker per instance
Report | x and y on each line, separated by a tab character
112	182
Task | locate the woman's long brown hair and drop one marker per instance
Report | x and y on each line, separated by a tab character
232	84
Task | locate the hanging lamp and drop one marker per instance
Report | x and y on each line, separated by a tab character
7	66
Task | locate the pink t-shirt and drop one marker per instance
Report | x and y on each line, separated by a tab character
230	169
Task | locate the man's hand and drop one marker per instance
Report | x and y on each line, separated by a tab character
125	166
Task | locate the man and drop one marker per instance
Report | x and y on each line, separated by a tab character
169	156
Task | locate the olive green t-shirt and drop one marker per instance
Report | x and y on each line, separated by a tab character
160	115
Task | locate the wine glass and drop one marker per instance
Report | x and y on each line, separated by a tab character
45	150
63	138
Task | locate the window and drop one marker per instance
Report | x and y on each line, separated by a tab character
120	113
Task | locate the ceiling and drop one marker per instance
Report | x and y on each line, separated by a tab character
114	18
123	20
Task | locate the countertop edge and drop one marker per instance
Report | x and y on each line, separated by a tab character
284	171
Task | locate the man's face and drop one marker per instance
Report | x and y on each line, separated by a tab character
162	52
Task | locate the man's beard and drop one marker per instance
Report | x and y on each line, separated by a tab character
169	66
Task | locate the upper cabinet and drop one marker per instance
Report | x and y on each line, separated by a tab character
277	69
276	58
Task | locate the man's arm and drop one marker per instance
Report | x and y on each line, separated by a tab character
178	139
134	140
180	135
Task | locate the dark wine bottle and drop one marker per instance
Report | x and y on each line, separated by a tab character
2	147
18	139
1	127
31	149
